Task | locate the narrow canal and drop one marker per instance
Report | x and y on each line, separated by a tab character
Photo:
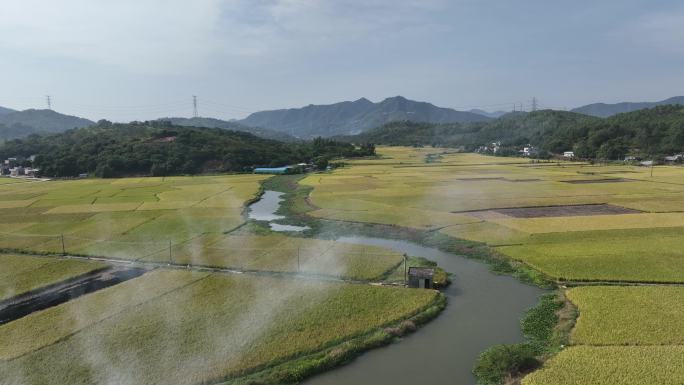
63	292
484	309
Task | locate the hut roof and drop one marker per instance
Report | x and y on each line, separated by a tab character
421	272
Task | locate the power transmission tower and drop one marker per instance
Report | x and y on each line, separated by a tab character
534	104
194	107
48	99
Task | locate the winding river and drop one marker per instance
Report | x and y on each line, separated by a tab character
484	309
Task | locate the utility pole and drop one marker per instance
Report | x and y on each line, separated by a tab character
299	266
534	103
170	256
652	164
194	106
521	108
405	271
63	248
48	99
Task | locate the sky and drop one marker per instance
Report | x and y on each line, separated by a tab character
143	59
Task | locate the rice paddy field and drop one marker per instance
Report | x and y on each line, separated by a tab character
574	222
602	227
178	325
624	335
153	330
187	220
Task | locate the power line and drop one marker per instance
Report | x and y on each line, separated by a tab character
534	103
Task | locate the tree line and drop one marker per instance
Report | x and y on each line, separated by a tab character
159	148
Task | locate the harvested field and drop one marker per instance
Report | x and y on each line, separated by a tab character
592	181
565	211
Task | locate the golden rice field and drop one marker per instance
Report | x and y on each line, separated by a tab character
179	219
153	329
22	273
628	315
624	335
612	365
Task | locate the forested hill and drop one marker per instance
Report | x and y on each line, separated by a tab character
512	129
159	148
650	132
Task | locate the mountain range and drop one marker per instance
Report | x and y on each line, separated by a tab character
338	119
348	118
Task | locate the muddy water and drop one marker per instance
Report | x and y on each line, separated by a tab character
484	310
58	294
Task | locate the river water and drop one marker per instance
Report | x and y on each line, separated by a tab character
484	309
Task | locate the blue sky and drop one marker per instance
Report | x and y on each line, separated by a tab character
142	59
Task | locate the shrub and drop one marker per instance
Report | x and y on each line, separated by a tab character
500	362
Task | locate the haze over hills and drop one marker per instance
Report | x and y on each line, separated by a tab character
4	110
493	115
18	124
603	110
230	125
354	117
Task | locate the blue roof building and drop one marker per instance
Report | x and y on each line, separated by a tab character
273	170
